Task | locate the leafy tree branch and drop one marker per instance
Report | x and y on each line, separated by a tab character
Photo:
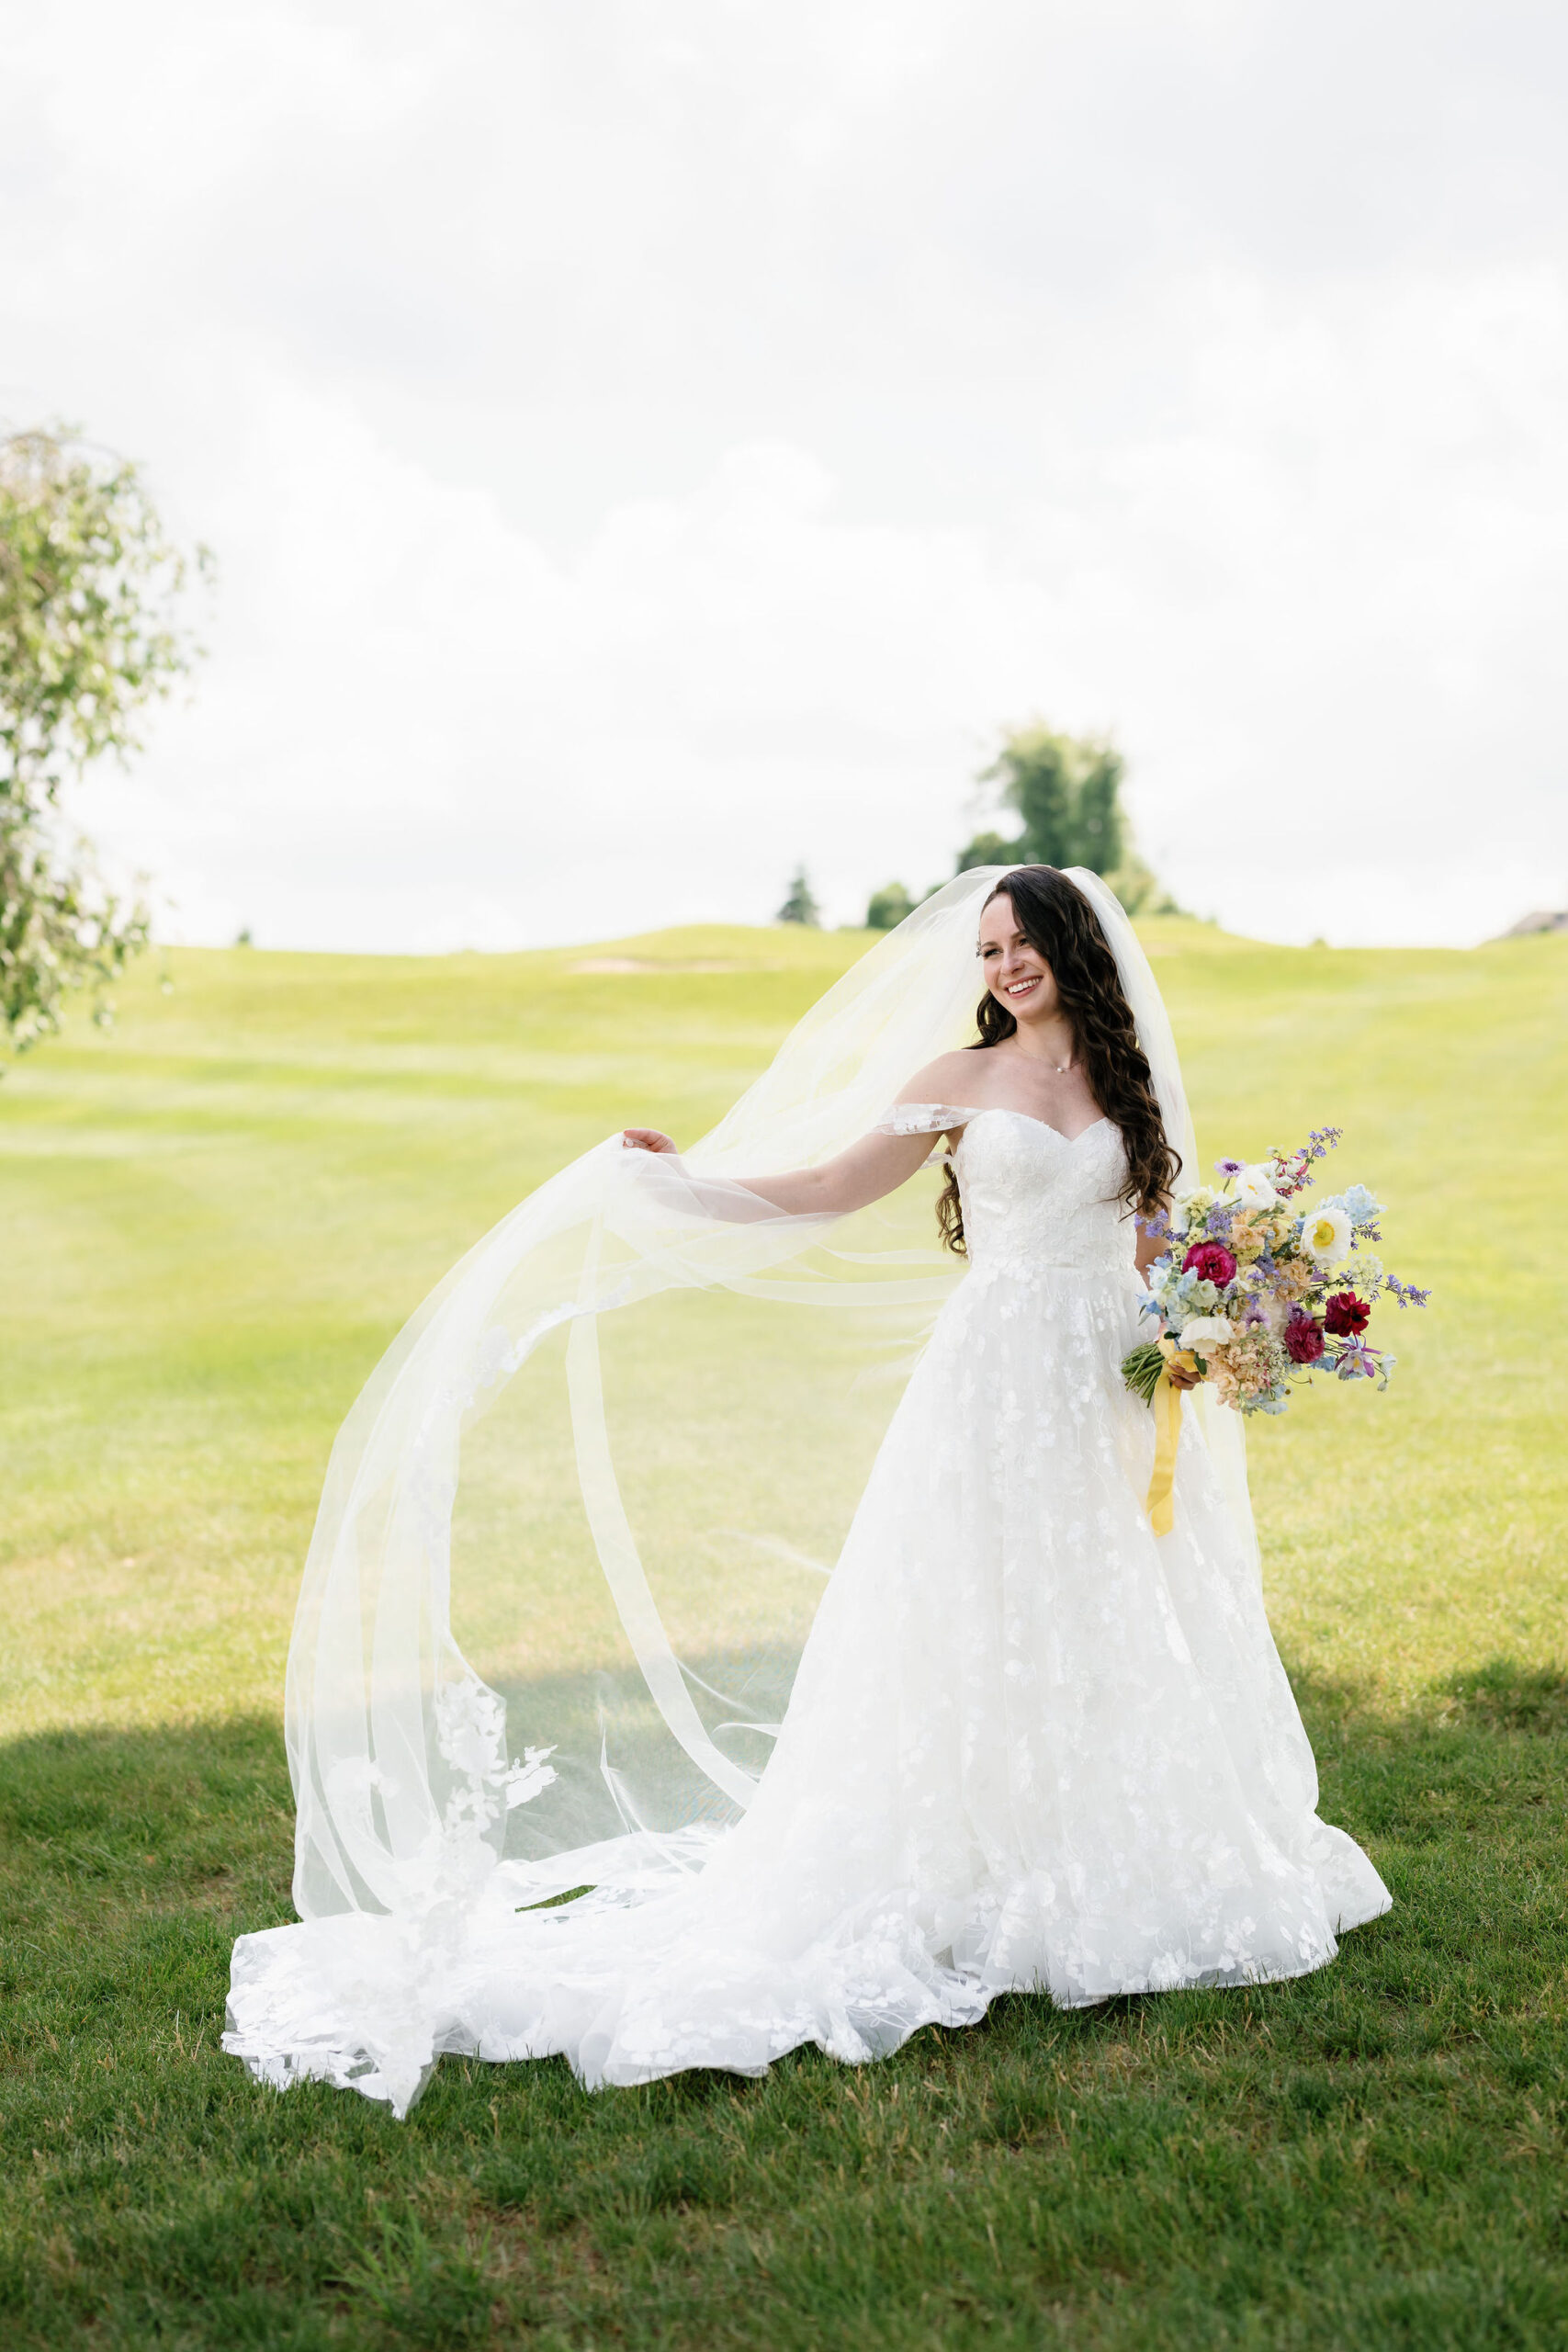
91	633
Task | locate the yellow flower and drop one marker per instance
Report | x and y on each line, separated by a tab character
1194	1207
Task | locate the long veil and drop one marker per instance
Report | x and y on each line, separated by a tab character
574	1531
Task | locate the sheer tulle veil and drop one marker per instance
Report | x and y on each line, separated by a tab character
574	1530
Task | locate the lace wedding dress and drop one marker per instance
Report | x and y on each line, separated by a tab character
1030	1745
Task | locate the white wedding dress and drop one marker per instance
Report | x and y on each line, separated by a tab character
1030	1746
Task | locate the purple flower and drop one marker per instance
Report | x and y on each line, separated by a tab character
1356	1360
1229	1167
1406	1292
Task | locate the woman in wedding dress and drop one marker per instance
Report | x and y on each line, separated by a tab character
1030	1745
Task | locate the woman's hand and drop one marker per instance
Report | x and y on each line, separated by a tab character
648	1139
1176	1372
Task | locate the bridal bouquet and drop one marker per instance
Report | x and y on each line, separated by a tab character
1257	1286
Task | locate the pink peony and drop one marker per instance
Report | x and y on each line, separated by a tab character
1303	1337
1212	1262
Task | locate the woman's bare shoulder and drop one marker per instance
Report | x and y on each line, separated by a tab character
952	1079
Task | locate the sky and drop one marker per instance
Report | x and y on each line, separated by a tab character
647	444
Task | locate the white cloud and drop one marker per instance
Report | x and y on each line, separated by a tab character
646	447
504	743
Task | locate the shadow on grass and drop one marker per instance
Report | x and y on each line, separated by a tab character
1505	1697
175	1811
213	1799
1372	2153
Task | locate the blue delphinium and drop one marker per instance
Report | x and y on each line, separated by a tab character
1358	1204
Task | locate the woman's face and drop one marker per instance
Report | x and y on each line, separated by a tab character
1017	973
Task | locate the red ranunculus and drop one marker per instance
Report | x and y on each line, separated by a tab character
1212	1261
1345	1315
1303	1337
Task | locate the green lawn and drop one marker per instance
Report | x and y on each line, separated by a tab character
214	1217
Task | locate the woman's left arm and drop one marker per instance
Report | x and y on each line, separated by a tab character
1148	1250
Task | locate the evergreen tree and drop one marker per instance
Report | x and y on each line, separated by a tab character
800	905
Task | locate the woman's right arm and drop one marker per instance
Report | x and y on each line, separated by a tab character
871	1168
876	1165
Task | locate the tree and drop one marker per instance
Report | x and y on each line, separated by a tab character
889	907
988	849
1066	789
91	632
800	905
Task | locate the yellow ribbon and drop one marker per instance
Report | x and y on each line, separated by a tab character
1166	1403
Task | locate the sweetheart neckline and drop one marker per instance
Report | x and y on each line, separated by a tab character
1005	1111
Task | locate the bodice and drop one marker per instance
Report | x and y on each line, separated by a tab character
1033	1198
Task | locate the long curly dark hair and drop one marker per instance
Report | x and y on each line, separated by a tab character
1057	920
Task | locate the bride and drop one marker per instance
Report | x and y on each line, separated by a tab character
1030	1744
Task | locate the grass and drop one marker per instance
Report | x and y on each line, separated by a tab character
213	1220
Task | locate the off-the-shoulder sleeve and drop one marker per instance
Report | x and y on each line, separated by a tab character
922	1119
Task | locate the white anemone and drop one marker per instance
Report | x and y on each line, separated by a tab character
1325	1234
1255	1189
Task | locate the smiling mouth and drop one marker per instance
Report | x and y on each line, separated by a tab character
1022	988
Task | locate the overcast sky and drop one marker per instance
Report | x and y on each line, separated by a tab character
647	442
